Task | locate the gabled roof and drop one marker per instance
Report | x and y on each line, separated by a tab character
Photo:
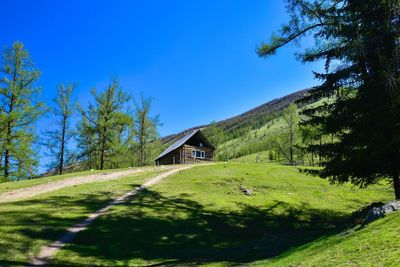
177	143
180	142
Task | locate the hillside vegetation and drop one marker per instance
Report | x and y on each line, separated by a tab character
253	136
251	132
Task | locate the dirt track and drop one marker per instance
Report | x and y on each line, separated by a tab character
53	186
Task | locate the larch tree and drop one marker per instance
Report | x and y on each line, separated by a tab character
145	128
20	108
86	144
291	117
56	140
359	42
104	119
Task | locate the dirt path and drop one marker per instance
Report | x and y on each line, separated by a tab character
47	252
26	192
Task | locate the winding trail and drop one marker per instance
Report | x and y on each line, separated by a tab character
35	190
47	252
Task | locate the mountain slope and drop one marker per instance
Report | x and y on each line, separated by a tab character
247	118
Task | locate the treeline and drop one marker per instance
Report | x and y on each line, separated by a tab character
114	130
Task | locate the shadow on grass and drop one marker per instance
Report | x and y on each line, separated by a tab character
163	230
26	225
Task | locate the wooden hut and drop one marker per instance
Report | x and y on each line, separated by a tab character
191	148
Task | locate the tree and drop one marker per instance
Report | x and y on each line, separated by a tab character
20	108
215	133
291	117
309	135
358	40
102	122
86	144
145	128
56	140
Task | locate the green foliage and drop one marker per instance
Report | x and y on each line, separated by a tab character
146	135
358	40
104	128
57	139
287	141
20	108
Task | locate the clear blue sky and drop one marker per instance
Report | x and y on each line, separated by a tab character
196	58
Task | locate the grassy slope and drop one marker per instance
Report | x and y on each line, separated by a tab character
270	129
200	217
260	157
28	224
9	186
378	244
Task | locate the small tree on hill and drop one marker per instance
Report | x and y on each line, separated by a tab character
102	122
57	139
291	117
145	129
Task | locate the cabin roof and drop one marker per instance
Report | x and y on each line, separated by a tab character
180	142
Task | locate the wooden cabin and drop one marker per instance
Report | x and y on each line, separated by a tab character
192	148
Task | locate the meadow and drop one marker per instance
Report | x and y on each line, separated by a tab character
200	217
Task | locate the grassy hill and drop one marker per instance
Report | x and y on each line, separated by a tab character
378	244
200	216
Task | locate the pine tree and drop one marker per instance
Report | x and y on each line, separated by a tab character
20	108
56	140
361	38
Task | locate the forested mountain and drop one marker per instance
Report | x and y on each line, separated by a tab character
249	119
253	131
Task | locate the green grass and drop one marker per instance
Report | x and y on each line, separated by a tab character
28	224
260	157
9	186
200	216
378	244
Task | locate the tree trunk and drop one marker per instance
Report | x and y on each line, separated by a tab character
312	159
61	165
291	142
396	185
6	163
102	156
7	152
8	140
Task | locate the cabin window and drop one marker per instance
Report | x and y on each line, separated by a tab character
198	154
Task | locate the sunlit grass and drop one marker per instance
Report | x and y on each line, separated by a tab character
200	216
